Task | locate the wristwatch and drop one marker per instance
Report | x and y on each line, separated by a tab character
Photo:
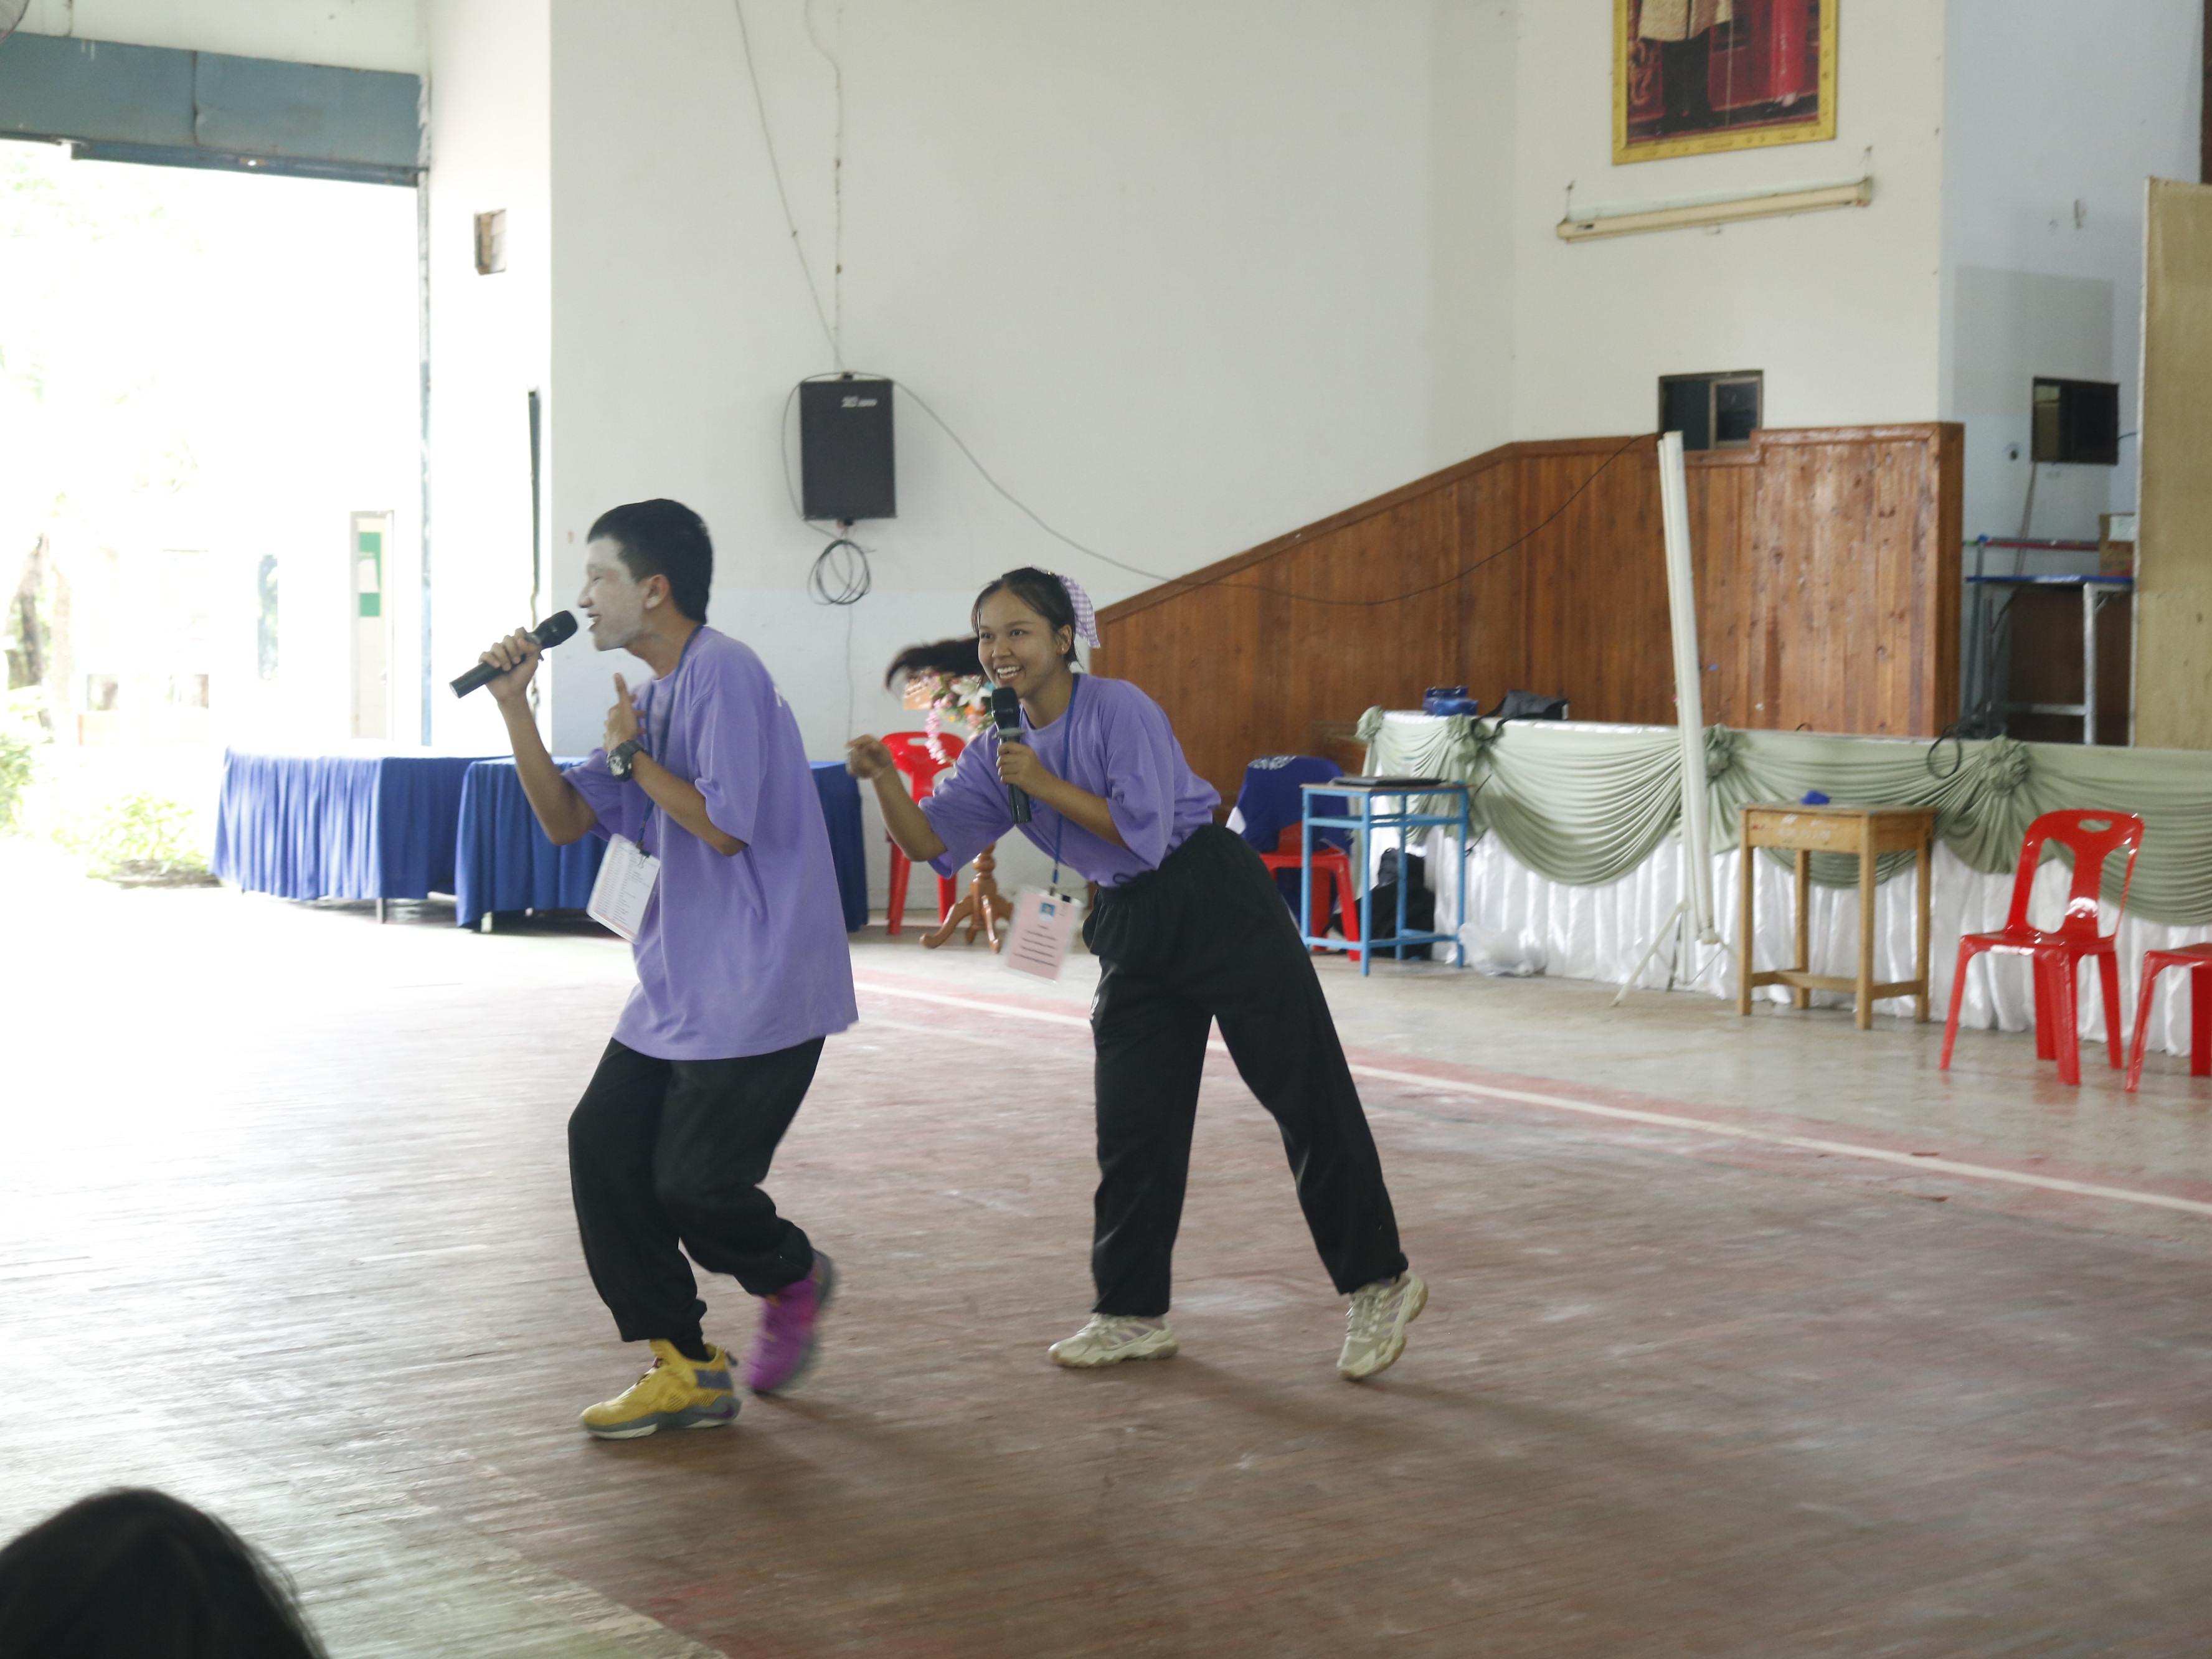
620	756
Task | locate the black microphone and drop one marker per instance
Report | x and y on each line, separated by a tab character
1007	714
548	634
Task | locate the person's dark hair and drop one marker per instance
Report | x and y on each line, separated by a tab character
955	658
140	1573
1043	592
663	539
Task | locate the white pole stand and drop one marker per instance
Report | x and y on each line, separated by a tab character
1695	905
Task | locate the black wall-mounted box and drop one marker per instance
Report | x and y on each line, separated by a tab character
845	467
2076	421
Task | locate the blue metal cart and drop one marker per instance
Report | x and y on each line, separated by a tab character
1372	818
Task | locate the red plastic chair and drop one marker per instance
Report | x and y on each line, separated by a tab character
2197	959
2057	953
910	753
1332	873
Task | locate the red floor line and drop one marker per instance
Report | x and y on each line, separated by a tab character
1914	1161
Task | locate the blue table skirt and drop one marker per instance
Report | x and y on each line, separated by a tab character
504	860
339	826
506	863
841	808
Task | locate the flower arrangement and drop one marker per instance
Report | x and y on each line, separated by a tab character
962	701
946	679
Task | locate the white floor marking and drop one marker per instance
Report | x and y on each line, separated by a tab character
1657	1120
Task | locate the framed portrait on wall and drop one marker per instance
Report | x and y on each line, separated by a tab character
1694	77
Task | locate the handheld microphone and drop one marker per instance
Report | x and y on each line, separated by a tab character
548	634
1007	715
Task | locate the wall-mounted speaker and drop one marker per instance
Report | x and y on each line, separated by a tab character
845	463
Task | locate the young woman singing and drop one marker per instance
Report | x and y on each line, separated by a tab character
1188	931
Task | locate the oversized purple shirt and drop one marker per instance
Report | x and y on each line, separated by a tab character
742	954
1111	740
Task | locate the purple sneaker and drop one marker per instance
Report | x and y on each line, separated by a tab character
783	1347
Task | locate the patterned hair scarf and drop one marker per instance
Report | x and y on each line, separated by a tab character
1086	614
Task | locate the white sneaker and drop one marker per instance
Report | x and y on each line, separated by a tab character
1110	1339
1375	1325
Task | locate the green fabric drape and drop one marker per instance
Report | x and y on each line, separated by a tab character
1587	805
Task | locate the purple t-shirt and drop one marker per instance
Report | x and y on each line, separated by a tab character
1112	740
742	955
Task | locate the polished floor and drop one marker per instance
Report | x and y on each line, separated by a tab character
1758	1339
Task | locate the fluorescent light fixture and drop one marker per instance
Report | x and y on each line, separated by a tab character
1692	215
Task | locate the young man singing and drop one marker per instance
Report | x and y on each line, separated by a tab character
742	967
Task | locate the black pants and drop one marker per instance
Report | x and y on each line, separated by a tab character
663	1153
1204	938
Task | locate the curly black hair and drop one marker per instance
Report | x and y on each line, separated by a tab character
955	658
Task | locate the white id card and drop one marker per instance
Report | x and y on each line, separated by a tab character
1043	928
623	889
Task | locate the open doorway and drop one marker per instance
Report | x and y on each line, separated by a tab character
210	500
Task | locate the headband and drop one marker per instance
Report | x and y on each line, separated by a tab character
1086	614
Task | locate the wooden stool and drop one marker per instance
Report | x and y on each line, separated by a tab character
2197	959
982	907
1868	831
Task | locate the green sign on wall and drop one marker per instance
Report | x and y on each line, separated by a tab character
369	566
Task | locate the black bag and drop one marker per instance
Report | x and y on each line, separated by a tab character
1529	706
1420	903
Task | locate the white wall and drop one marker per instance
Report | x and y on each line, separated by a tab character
1839	308
2055	117
489	337
1473	111
370	35
1184	277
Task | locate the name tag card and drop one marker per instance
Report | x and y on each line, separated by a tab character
624	887
1043	928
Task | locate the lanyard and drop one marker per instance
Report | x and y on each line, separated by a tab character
1059	819
660	750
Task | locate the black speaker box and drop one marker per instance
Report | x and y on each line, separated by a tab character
845	466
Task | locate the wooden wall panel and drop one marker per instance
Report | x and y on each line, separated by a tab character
1493	599
1826	564
2173	543
1722	493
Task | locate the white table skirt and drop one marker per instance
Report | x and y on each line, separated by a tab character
1598	933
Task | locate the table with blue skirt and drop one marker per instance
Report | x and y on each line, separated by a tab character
358	826
505	863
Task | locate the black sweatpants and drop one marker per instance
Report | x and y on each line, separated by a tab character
1206	938
670	1152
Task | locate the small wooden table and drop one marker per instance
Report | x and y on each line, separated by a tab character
1868	831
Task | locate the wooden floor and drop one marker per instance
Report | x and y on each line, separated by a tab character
284	1227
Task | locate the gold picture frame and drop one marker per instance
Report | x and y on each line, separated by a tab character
1758	72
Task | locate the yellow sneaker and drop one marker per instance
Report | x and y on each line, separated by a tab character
675	1394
